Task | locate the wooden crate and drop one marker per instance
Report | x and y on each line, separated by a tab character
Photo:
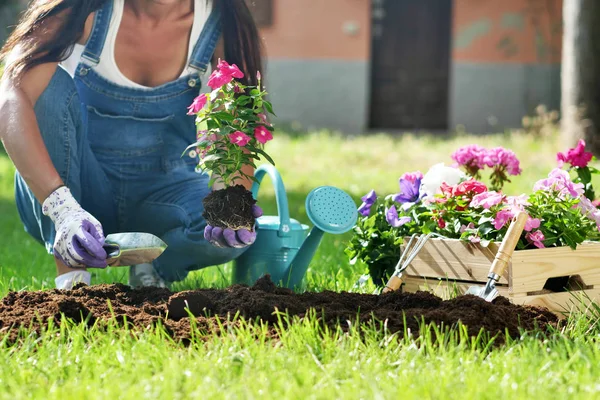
451	266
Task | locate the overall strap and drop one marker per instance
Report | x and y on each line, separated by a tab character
95	43
207	42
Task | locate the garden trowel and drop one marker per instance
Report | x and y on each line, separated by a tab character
132	248
507	247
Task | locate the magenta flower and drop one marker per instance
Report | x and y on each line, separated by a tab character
391	216
197	105
231	70
470	156
239	138
504	158
217	79
368	200
577	157
263	118
486	200
262	134
537	238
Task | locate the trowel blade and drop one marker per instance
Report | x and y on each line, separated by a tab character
131	248
488	292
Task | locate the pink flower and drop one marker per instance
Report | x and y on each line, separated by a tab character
263	119
502	218
258	76
197	105
470	156
531	224
517	202
262	134
474	239
589	210
559	181
487	200
239	138
218	79
223	74
231	70
577	157
501	157
537	238
412	177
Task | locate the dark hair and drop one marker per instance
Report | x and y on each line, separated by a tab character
240	35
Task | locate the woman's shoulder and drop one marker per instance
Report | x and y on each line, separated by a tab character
87	29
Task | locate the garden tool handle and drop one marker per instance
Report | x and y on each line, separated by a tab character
507	247
280	196
393	284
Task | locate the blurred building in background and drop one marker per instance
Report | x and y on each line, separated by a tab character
356	65
433	65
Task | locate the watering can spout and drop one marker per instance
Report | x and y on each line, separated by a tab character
295	272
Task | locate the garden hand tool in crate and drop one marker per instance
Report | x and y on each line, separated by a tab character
507	248
410	252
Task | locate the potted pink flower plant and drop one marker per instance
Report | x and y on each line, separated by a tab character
232	129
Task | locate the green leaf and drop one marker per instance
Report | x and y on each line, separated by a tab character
263	153
269	107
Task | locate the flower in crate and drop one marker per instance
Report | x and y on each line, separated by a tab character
536	238
487	200
471	158
439	174
368	200
559	181
577	156
391	216
410	185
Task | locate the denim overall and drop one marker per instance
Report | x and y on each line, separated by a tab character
119	150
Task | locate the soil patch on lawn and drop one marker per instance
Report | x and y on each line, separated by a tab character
145	307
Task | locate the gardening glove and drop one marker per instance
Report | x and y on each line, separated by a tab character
240	238
79	236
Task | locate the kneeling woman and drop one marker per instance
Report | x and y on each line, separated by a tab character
93	104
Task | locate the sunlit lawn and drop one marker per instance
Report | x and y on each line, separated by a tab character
303	363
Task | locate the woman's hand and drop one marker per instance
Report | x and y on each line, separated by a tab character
79	236
220	237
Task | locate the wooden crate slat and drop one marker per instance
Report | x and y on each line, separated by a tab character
454	259
563	302
531	268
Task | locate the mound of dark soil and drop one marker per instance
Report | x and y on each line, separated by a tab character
145	307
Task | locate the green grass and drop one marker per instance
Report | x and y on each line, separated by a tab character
302	362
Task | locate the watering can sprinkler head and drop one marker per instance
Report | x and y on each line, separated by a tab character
282	247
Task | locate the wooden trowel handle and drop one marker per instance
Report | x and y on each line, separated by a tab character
507	247
393	284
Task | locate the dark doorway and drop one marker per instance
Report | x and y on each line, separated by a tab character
410	64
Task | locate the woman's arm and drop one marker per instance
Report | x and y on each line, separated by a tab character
19	131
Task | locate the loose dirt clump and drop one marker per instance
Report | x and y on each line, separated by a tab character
141	308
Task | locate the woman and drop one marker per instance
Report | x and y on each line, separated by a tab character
93	105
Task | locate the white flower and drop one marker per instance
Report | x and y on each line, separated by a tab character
438	174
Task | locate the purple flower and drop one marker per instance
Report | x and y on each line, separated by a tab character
368	200
391	216
409	190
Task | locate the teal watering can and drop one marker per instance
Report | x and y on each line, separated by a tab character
282	248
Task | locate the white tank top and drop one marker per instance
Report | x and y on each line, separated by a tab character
108	69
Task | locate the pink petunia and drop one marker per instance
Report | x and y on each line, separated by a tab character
487	200
197	105
262	134
537	238
239	138
412	177
559	181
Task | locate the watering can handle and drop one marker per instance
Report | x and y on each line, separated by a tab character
280	196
